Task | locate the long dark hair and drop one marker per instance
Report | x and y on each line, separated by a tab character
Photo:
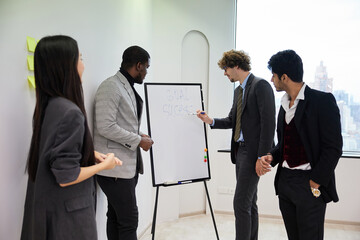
56	75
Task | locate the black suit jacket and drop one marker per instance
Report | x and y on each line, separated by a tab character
257	119
317	120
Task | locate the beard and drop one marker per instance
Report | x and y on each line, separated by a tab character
278	88
139	79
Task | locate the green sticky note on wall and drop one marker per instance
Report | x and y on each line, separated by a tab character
31	44
31	80
30	62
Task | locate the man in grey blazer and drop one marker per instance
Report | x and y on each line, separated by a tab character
252	119
117	118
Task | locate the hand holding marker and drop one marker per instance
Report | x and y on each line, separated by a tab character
201	112
204	117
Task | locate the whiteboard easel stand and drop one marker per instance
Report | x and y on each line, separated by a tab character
169	105
155	212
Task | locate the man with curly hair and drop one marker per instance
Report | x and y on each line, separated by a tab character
252	120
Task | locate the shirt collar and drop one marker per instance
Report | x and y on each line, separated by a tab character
301	95
243	85
285	100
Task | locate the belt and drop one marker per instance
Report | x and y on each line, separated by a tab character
241	144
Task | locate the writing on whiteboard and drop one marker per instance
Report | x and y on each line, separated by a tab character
177	102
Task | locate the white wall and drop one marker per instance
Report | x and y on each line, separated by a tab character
201	22
103	30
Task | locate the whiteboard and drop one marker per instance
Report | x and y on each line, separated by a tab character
179	154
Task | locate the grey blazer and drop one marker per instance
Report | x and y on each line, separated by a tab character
117	124
257	118
51	211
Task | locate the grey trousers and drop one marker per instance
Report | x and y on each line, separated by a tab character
245	207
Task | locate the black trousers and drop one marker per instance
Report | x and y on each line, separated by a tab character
122	214
245	198
303	214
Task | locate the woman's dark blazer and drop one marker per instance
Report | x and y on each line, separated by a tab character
51	211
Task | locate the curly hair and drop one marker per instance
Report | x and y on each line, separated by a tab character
235	58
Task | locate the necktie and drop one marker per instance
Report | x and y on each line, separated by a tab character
238	116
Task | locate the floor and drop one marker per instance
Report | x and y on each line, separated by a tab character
201	227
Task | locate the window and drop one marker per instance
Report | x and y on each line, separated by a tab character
326	35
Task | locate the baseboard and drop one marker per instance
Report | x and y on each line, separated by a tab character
329	221
224	212
191	214
276	217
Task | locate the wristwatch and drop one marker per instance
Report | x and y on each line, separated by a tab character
316	192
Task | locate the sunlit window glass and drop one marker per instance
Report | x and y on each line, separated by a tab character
326	35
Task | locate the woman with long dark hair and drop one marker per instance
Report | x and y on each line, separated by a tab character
60	199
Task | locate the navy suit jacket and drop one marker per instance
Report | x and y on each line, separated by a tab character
317	120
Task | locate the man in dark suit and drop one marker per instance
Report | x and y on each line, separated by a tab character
252	119
308	150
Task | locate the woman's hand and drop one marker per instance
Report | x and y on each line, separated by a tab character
111	161
99	157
